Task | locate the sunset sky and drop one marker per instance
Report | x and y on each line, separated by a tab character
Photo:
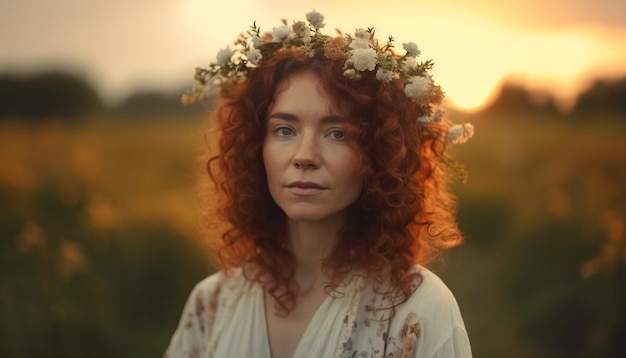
122	46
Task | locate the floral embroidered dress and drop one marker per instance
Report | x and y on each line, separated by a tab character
225	317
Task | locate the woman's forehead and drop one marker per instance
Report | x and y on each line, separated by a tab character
305	91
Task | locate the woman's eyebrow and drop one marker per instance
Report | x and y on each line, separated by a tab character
332	119
292	117
283	116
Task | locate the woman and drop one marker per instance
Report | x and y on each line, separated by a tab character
330	179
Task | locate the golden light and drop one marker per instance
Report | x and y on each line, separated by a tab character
474	56
473	53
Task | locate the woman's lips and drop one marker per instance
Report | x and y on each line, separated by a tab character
305	188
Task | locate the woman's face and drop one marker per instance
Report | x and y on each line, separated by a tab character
312	171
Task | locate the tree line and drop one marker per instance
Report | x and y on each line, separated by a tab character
604	95
67	96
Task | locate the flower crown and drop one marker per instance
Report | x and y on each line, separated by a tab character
361	53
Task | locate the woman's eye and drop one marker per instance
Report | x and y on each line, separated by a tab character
284	131
337	134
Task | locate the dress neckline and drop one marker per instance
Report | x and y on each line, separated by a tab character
317	315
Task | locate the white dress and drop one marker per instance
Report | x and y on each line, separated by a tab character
225	317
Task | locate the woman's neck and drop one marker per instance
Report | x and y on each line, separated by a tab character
310	243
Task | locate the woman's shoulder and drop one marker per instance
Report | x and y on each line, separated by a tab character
432	298
207	308
222	280
432	314
430	287
427	324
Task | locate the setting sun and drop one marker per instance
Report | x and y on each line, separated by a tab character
474	55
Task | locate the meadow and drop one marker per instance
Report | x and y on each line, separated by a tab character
100	241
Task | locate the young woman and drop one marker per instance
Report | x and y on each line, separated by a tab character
330	184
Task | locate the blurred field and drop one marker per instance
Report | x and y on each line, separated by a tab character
543	271
98	224
100	248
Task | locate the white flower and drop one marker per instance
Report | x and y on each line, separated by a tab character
411	49
359	43
436	117
409	65
254	56
256	42
224	55
460	133
280	33
425	119
350	73
417	87
362	34
315	19
364	59
384	75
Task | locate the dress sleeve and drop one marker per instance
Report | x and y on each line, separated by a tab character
195	325
429	324
457	346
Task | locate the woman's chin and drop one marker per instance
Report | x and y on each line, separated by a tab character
312	214
305	216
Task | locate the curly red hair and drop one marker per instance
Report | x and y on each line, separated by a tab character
404	215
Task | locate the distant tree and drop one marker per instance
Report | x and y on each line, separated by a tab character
12	101
603	96
515	98
151	103
47	95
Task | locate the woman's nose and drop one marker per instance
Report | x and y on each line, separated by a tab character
307	154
